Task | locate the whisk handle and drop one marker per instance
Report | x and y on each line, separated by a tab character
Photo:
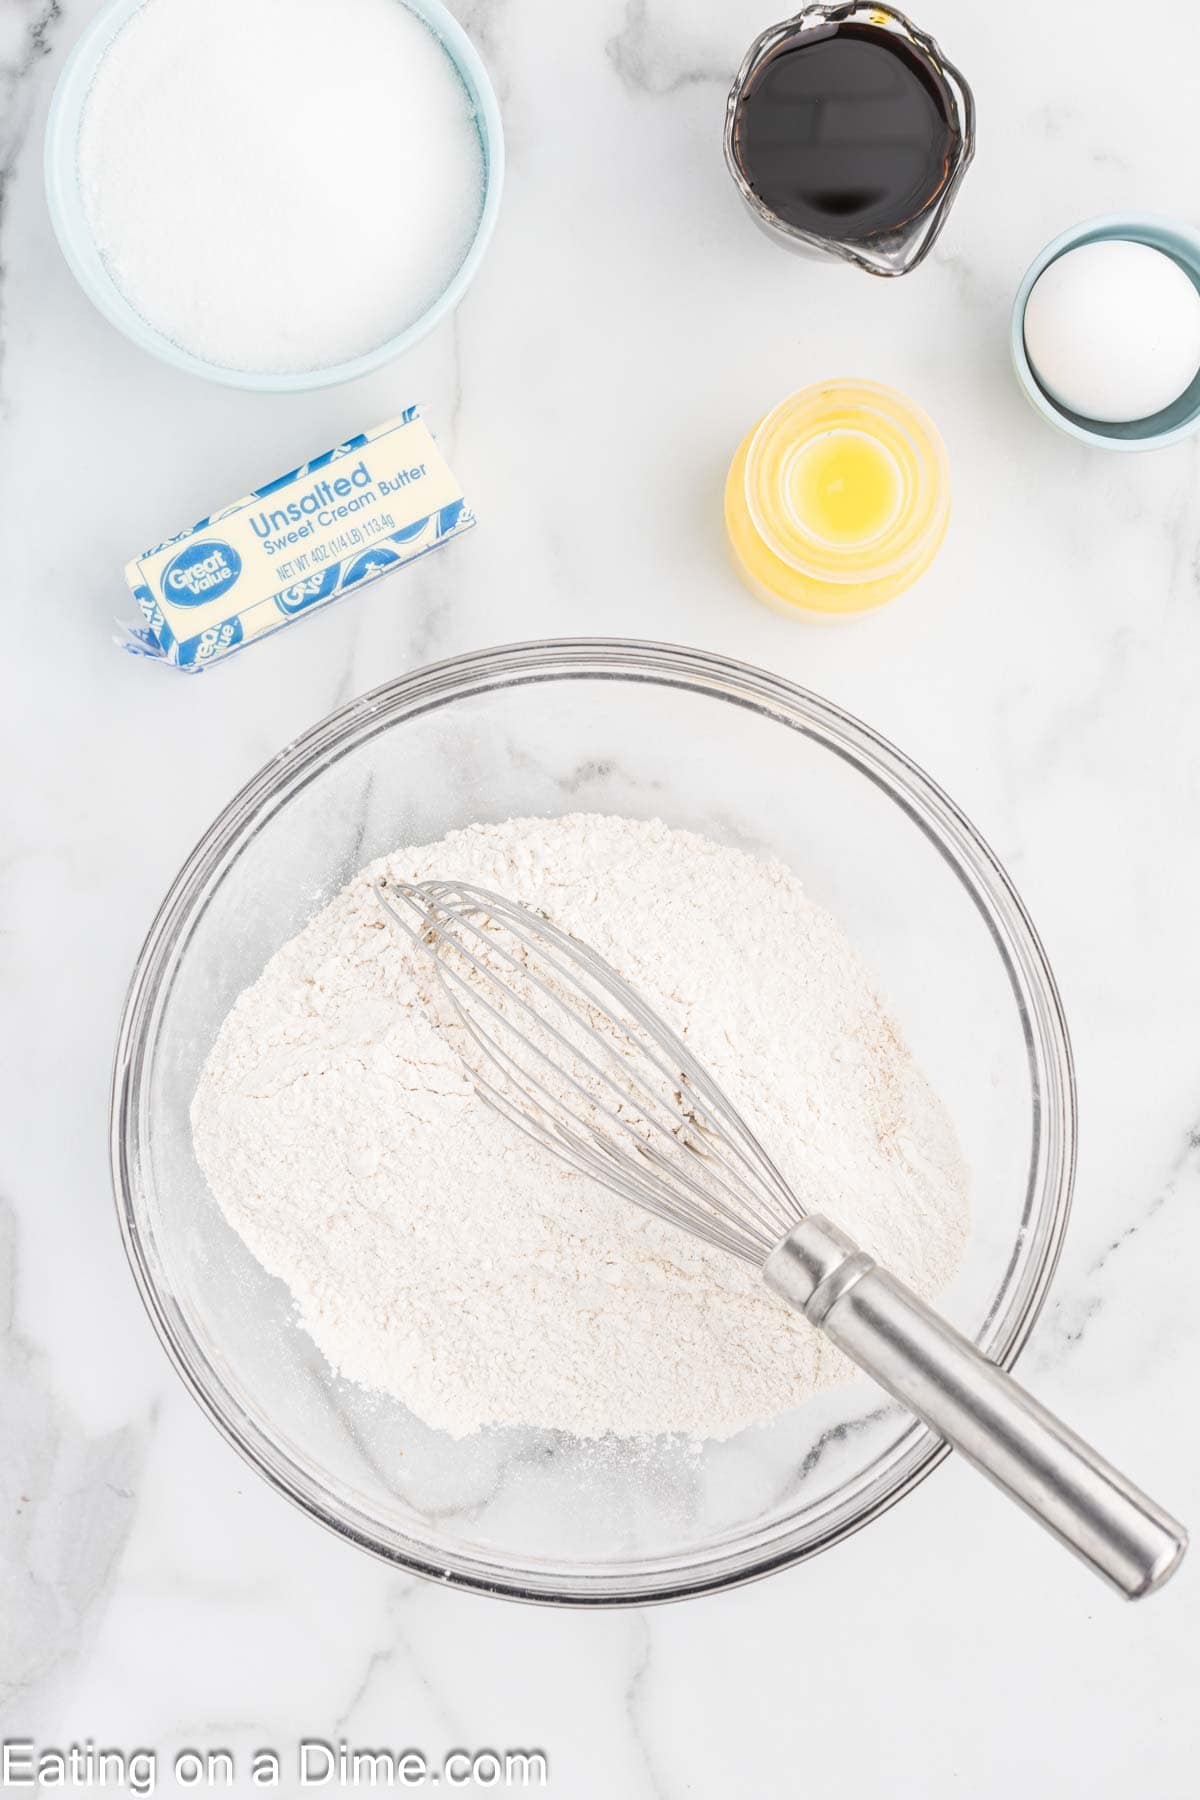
1009	1436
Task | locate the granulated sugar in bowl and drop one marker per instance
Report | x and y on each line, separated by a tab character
276	193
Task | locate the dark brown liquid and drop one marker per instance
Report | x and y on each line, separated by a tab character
845	132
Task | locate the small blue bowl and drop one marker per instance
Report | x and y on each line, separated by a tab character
1174	422
71	227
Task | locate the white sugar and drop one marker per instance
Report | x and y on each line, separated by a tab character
280	185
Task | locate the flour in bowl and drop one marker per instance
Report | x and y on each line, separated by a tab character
437	1255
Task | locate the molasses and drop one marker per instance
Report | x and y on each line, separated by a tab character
846	131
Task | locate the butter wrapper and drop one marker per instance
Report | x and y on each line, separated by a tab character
374	502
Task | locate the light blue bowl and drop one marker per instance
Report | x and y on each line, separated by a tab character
79	246
1174	422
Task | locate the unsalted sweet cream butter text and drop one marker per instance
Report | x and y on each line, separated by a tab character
374	502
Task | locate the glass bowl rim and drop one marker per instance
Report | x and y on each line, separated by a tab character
969	857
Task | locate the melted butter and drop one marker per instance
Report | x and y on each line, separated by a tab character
838	500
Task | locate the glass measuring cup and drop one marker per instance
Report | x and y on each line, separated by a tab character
888	251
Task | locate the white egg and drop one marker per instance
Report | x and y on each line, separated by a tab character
1113	331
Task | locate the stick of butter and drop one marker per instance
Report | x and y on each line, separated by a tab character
376	501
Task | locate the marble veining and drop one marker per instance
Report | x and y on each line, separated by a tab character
647	59
26	37
68	1499
628	325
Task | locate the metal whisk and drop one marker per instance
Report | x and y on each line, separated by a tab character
567	1050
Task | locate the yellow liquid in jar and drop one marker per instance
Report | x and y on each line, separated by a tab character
838	500
846	486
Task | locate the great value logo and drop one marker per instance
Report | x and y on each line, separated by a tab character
201	573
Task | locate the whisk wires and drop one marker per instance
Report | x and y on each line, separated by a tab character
565	1049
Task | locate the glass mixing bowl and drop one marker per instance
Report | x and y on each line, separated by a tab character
648	731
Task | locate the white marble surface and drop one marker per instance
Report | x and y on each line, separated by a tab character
629	323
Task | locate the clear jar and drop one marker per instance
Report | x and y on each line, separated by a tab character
838	500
